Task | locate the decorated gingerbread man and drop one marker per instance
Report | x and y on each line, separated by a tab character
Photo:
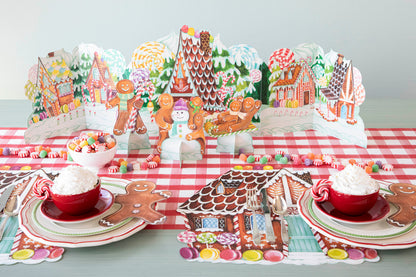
198	133
404	198
195	107
126	100
163	118
138	202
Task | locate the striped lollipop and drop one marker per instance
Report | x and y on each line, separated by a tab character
282	57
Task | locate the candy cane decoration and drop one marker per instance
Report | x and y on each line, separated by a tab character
223	91
320	190
83	94
237	232
41	188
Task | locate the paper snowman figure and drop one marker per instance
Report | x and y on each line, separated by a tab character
180	117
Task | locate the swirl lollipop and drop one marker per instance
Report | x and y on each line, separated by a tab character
227	239
188	237
207	238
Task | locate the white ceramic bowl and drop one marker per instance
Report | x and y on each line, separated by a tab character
93	161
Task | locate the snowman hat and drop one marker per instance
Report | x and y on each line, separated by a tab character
180	105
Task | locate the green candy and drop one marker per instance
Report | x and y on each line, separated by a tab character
277	157
123	169
43	154
283	160
263	160
90	141
69	158
251	159
375	168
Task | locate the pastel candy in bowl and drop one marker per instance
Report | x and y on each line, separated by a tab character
92	150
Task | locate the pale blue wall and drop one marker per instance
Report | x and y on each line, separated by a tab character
379	36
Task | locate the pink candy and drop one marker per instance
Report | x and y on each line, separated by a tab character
144	165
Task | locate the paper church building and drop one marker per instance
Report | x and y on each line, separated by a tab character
193	72
340	93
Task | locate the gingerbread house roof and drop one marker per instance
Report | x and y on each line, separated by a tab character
332	92
292	75
197	61
56	67
209	200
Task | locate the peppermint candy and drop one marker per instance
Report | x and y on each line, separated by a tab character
387	167
327	159
23	153
53	154
41	188
34	155
318	162
152	165
113	169
320	190
150	158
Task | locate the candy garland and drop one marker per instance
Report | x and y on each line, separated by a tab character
309	159
122	166
33	152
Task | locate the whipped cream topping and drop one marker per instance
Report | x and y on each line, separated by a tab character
74	180
354	180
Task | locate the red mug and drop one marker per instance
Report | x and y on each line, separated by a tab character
74	204
348	204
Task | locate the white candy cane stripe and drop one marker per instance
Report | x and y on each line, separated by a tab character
16	241
236	227
320	241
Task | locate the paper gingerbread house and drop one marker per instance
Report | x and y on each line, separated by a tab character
99	82
340	93
55	81
193	72
221	206
295	86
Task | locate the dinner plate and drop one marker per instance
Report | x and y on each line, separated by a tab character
378	235
84	234
378	212
50	211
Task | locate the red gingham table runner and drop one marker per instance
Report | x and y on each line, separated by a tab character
393	146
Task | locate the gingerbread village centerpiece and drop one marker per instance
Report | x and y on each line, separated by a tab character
230	91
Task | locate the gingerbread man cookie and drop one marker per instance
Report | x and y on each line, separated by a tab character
137	202
125	100
195	107
404	198
198	133
163	118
